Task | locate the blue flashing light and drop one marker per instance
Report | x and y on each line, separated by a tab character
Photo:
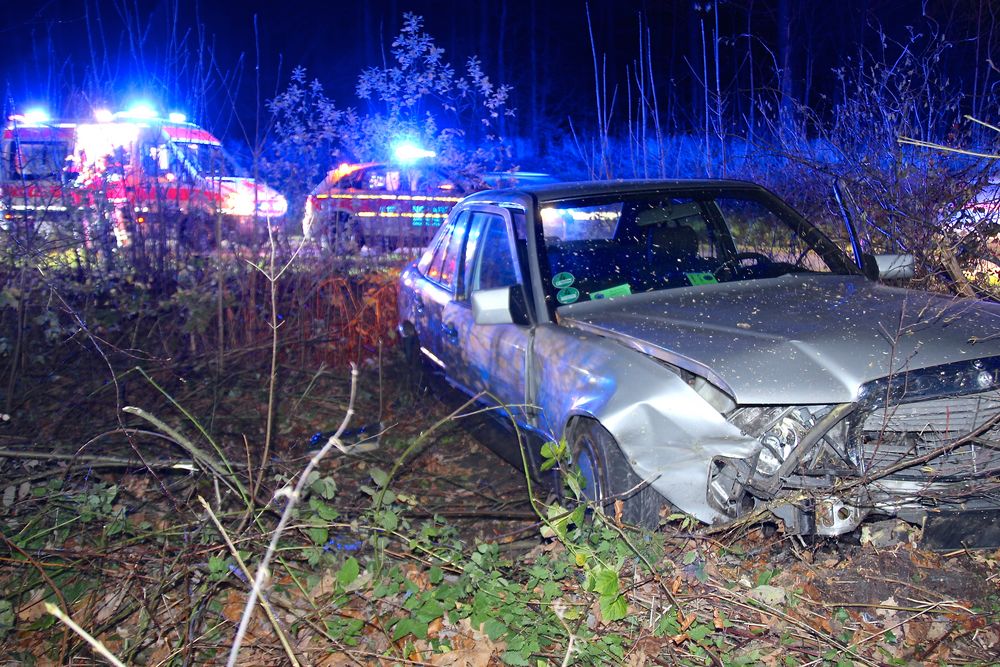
408	152
177	117
141	110
36	115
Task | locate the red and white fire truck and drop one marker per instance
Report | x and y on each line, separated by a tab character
127	171
379	207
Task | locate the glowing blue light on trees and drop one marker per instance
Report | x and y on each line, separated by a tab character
407	152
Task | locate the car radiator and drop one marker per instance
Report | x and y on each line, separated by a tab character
908	431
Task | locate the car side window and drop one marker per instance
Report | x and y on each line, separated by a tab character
441	264
495	266
471	250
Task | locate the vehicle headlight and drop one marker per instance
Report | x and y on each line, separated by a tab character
238	203
778	429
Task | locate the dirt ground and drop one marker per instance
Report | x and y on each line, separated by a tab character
752	596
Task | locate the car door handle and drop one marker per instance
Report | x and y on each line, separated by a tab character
449	330
418	304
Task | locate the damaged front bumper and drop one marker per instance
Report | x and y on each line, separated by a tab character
919	447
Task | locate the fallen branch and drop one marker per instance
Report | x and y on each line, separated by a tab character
246	571
293	496
97	645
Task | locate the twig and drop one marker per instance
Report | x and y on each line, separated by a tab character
567	659
97	645
723	592
92	460
263	601
982	122
197	425
879	633
947	149
417	443
48	580
293	497
198	454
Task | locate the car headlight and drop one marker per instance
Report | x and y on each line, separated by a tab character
778	429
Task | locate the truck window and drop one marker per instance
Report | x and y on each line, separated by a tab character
36	160
208	159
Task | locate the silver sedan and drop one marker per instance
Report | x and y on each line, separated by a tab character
699	344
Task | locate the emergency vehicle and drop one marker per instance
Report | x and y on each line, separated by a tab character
127	171
378	207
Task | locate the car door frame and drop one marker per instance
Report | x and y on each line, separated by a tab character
508	404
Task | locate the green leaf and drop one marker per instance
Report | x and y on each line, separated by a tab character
573	481
689	557
349	571
409	626
605	581
613	607
765	576
313	555
378	476
516	658
699	631
547	451
216	564
6	617
388	520
318	534
494	629
325	487
324	510
667	626
435	575
430	610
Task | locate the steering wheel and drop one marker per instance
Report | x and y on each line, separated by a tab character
758	259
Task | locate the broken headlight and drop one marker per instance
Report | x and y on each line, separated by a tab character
778	430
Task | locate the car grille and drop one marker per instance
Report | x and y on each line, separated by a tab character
904	432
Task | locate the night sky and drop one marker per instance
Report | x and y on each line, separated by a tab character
74	54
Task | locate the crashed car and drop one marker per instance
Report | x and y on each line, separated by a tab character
700	345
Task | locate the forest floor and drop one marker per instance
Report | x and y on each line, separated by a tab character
418	546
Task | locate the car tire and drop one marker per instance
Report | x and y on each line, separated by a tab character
608	476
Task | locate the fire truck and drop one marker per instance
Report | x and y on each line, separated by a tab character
124	174
378	207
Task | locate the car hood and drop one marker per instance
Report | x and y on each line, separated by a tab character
795	339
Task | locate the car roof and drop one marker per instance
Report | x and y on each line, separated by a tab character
554	192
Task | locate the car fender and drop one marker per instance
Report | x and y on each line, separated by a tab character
668	433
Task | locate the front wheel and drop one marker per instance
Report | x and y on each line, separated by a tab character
607	475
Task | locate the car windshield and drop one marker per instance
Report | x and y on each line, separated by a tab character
209	159
608	247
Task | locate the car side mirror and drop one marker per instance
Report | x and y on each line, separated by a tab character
503	305
888	267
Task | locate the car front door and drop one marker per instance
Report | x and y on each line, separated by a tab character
488	358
